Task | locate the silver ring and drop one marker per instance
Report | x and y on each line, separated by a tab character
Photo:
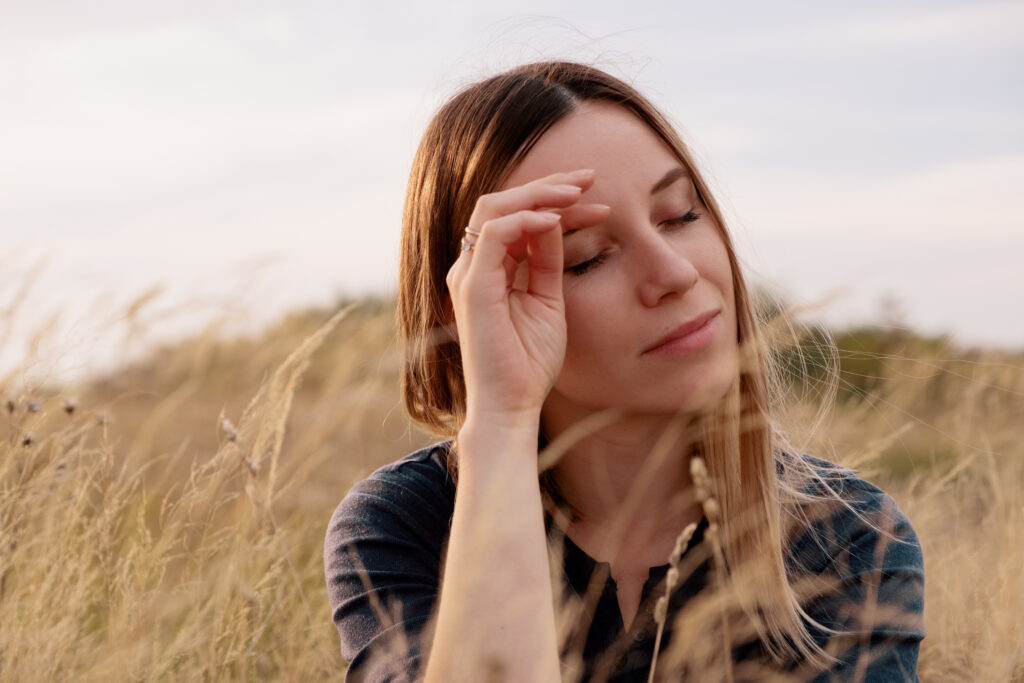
467	245
472	232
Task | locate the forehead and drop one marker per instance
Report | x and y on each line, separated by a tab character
622	149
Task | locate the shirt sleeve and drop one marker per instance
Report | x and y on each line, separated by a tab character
382	559
871	568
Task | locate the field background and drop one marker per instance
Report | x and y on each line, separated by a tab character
165	521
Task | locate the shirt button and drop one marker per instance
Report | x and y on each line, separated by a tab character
640	636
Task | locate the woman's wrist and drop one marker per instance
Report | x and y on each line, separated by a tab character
481	417
506	437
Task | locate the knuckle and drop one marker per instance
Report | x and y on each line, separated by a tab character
489	226
453	277
484	202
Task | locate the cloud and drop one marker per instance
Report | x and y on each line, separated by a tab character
979	198
976	26
142	144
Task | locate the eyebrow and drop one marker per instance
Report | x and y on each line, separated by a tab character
669	178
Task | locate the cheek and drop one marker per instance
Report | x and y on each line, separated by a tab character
584	328
592	332
718	270
716	254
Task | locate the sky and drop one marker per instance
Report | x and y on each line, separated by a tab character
243	159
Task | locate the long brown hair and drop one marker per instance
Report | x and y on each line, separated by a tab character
470	146
468	149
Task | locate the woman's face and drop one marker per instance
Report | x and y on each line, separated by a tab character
649	301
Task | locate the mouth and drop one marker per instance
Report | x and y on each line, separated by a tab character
693	335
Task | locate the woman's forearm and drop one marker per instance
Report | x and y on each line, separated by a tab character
496	610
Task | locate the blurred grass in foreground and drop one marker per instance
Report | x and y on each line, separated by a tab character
166	521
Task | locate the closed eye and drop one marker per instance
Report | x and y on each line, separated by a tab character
688	217
581	268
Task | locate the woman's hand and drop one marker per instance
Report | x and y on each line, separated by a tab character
507	295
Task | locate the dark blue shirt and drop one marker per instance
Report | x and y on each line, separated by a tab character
386	543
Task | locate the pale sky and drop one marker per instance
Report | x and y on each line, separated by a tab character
253	155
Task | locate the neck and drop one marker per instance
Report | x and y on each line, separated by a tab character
628	481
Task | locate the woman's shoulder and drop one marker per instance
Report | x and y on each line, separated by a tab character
412	496
840	518
813	480
423	470
858	567
382	559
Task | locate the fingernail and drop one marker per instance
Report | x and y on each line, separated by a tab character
583	172
568	188
550	217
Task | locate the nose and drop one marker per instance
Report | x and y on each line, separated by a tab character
664	270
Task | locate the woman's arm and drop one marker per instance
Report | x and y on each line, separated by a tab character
383	556
382	561
496	612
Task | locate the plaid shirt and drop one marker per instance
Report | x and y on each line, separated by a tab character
861	563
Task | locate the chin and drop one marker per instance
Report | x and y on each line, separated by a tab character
704	395
696	391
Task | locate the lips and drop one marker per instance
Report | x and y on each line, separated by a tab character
692	335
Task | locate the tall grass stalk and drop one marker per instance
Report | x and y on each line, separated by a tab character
145	536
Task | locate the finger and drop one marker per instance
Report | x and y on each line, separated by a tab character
544	262
515	264
457	271
488	262
583	178
545	251
511	265
580	216
574	218
557	191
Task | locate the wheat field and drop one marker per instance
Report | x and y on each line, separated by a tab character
165	521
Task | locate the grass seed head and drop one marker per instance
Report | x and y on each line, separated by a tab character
661	610
230	433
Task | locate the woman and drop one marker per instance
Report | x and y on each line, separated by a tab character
568	288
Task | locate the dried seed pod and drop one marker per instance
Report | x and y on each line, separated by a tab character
698	470
229	430
711	509
661	606
28	440
682	541
34	406
70	405
661	610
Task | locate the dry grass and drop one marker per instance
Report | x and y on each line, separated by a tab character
167	521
